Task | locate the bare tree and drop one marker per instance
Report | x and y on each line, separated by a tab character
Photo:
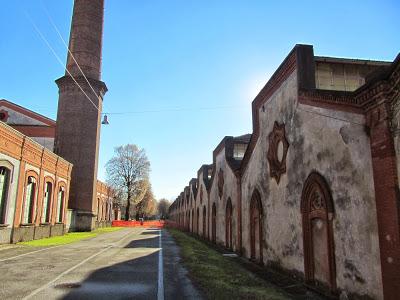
147	206
163	205
127	171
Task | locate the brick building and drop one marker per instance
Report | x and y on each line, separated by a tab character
40	131
38	127
34	187
29	162
316	193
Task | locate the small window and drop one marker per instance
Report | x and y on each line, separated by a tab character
4	186
30	192
4	115
47	202
239	151
60	205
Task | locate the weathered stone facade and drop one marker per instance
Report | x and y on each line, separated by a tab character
316	194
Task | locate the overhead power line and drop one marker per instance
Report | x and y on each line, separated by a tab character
175	109
56	56
67	47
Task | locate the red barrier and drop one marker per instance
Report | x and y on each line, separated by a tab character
147	224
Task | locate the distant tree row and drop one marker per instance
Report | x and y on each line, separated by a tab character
128	174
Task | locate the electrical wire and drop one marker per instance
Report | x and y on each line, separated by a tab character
327	116
56	56
177	109
67	47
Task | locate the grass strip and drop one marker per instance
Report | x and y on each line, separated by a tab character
68	238
221	277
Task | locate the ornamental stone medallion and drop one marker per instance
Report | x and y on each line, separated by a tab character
277	151
220	183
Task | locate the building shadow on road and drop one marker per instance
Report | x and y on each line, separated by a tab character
150	232
130	279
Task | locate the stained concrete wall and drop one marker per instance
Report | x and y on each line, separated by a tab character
42	231
229	191
335	145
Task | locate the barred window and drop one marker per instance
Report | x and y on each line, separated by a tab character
239	150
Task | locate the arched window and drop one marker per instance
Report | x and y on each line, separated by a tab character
107	211
29	201
228	224
256	225
104	210
197	220
192	229
204	220
98	210
317	214
60	204
48	191
4	187
214	223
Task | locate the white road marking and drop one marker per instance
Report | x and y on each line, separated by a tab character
24	254
160	291
43	287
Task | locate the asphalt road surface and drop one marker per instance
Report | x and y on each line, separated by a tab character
133	263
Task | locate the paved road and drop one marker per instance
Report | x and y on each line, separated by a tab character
133	263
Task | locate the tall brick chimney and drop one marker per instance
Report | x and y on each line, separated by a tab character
78	120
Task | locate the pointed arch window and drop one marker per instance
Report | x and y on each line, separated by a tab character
214	223
256	227
228	224
318	214
204	220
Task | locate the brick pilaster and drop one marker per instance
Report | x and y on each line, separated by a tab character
386	197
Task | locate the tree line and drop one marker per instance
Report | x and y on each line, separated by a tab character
128	175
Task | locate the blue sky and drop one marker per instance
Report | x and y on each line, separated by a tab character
187	69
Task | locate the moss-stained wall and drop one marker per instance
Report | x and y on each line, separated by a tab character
335	145
229	191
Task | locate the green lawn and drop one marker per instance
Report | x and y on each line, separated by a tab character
68	237
221	277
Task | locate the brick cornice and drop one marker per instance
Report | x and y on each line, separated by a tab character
32	153
11	141
49	161
336	100
66	82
